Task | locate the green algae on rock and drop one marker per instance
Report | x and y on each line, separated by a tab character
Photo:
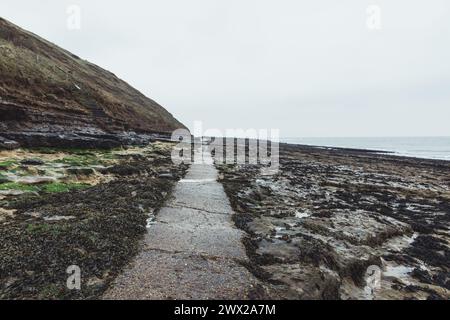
96	227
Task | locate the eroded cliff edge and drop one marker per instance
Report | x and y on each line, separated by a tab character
51	97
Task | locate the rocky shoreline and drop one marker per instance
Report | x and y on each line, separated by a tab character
87	207
316	229
313	230
82	138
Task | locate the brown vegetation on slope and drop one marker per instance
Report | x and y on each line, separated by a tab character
45	88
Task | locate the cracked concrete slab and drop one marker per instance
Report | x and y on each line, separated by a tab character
196	232
207	196
193	250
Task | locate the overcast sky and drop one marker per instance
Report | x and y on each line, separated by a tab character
310	68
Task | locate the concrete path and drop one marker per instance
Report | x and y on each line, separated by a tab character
193	251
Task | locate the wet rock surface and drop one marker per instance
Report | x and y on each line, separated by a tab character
75	137
99	227
8	144
317	227
32	162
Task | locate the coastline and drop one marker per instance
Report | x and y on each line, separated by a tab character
310	232
315	228
372	152
430	147
225	159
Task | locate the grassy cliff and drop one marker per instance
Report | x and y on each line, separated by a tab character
46	88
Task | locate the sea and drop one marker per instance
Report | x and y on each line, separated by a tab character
419	147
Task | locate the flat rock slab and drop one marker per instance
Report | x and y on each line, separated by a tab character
193	250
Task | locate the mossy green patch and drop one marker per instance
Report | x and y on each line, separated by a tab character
18	186
47	228
51	291
54	187
58	187
109	156
7	164
80	160
47	150
79	157
38	228
70	151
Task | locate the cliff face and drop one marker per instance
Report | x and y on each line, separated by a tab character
45	89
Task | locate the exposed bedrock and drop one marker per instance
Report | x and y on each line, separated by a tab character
328	217
49	97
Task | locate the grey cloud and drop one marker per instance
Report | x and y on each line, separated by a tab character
308	68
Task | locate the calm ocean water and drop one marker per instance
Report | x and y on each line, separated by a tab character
421	147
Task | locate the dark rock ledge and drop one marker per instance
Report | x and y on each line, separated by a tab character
13	140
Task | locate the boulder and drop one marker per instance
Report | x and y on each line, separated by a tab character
166	176
32	162
8	144
35	180
81	171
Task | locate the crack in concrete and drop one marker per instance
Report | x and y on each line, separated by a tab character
169	265
198	209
